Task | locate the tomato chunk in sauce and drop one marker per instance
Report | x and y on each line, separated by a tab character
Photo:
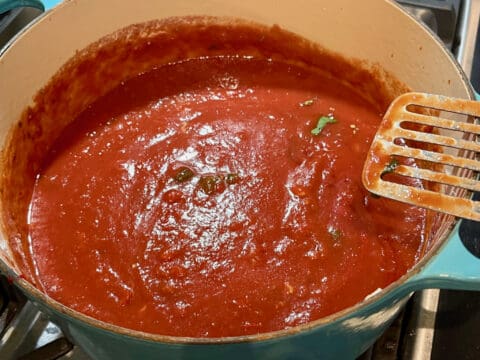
207	198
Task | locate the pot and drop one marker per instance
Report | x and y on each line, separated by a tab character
7	5
394	40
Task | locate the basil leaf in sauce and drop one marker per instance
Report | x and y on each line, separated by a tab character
183	174
321	123
390	167
232	178
210	183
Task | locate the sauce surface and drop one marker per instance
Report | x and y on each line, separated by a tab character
194	200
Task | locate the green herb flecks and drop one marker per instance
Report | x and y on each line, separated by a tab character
391	166
321	123
210	183
335	233
232	178
308	102
183	174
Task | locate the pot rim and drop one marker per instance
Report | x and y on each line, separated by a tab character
36	294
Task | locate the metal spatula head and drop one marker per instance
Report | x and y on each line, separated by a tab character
425	153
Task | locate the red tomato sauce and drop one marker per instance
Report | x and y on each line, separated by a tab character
194	200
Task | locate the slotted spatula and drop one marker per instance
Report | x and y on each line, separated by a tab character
402	125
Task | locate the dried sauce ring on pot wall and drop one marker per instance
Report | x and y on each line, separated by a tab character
359	325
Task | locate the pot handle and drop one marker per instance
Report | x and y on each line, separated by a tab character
457	266
7	5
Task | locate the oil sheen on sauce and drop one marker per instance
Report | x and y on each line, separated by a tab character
194	200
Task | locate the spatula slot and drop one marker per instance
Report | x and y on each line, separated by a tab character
451	147
434	105
458	131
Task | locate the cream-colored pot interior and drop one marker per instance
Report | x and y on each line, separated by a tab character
377	31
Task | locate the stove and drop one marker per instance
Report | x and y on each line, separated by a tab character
435	324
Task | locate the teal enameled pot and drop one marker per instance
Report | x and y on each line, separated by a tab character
376	31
